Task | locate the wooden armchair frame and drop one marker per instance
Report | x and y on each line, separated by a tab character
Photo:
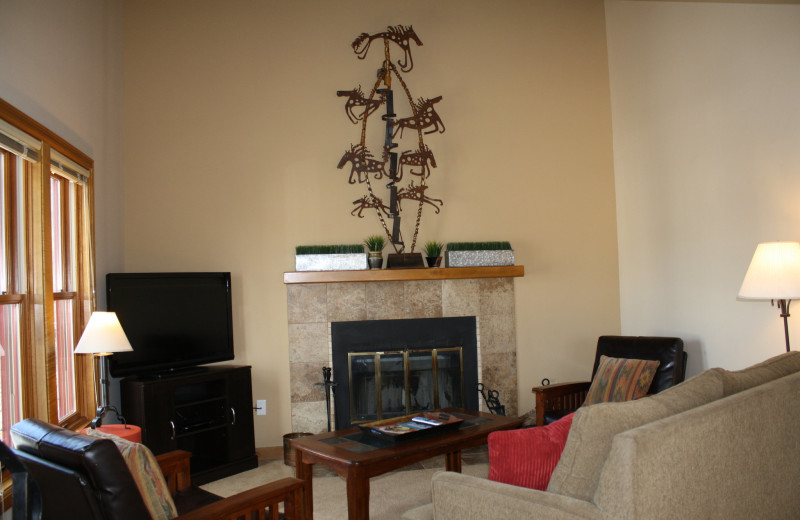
260	502
561	396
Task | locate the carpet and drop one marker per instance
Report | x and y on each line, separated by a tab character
391	494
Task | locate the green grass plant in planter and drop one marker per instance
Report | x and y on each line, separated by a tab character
344	257
375	245
478	246
475	254
433	252
330	250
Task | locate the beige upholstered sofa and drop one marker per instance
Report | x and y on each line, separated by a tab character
720	445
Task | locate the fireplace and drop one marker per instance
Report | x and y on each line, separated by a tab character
390	368
316	301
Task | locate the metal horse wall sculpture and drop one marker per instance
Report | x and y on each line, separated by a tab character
398	34
362	164
418	161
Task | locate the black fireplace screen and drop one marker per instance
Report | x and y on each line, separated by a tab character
391	368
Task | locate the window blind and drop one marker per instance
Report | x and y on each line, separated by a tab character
68	168
18	142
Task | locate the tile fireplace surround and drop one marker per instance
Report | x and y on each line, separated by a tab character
317	298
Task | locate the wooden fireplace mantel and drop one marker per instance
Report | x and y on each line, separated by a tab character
394	275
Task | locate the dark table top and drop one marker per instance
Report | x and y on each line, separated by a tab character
356	446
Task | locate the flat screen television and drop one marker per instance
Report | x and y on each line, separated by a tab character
172	320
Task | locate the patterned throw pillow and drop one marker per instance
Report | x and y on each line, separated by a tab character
621	380
147	474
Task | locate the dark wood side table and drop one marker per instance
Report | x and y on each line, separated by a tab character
358	456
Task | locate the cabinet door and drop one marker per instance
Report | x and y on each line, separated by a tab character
240	402
137	407
160	429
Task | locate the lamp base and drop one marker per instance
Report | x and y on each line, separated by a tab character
102	411
783	305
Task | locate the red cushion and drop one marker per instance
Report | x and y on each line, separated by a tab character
527	457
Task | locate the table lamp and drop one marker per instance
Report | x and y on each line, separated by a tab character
102	337
774	274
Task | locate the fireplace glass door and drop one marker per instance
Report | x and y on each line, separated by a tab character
384	385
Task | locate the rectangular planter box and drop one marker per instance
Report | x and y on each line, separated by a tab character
479	258
336	262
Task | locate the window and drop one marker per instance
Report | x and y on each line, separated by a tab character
46	275
68	204
12	302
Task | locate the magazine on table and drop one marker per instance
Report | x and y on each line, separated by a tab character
418	423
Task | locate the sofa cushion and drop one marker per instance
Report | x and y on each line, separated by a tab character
527	457
146	473
773	368
621	379
463	497
424	512
594	427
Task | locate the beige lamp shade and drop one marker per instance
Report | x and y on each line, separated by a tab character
774	272
103	335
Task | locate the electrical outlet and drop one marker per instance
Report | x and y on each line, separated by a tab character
261	407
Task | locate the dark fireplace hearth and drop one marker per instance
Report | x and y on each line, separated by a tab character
390	368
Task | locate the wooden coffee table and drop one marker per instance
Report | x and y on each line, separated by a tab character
358	456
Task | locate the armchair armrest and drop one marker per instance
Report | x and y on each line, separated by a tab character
175	465
256	500
560	396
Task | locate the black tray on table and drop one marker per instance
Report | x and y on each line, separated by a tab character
407	428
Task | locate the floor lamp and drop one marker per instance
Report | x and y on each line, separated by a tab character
102	337
774	274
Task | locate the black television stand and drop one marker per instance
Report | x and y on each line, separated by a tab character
207	412
185	371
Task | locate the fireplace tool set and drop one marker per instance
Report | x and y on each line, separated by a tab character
328	384
492	400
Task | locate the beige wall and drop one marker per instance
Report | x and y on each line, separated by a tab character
707	163
61	64
233	131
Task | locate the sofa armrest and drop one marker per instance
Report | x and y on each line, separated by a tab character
464	497
255	501
175	465
560	396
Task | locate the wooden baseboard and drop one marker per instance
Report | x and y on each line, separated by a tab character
270	453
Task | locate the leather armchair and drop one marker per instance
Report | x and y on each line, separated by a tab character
557	400
86	477
26	499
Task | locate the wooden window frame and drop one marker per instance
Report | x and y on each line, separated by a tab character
38	326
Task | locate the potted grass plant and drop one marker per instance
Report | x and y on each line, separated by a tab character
473	254
345	257
433	253
375	245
